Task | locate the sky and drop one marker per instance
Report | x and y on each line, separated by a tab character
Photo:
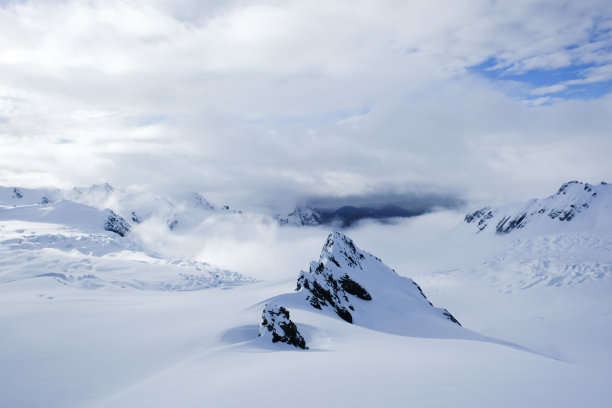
274	102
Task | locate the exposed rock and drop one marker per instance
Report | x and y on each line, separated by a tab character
506	225
136	218
17	193
201	202
341	280
482	216
172	223
276	323
116	223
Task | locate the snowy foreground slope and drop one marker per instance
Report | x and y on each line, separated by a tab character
92	319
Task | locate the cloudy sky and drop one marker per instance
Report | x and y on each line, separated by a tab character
268	102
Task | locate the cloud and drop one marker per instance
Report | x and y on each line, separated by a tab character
264	103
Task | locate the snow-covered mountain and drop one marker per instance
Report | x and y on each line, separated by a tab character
14	196
347	215
560	240
346	280
45	235
179	211
357	287
576	206
301	216
93	318
69	213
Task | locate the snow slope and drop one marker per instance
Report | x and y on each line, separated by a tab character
136	335
78	245
576	206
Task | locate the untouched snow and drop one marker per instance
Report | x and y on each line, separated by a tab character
92	319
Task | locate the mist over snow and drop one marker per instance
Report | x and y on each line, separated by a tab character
303	203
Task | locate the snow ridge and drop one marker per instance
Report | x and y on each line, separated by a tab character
582	204
357	287
302	216
346	278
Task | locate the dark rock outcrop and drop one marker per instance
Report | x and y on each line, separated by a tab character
276	323
172	223
115	223
482	216
327	285
136	218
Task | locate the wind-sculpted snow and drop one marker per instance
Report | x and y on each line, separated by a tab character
575	206
70	257
567	259
68	213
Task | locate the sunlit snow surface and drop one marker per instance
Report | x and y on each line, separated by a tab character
90	319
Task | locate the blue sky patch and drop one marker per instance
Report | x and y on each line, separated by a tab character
534	79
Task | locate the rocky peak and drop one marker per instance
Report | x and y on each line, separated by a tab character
304	216
346	279
275	322
341	251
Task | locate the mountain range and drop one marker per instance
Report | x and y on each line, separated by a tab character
506	306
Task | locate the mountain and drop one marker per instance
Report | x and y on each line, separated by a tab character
78	245
179	211
69	213
302	216
357	287
91	318
14	196
574	206
345	216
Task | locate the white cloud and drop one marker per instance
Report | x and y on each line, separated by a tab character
260	102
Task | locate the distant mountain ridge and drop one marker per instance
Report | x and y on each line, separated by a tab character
575	205
347	215
176	211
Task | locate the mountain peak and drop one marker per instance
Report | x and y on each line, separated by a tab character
359	288
341	251
571	202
